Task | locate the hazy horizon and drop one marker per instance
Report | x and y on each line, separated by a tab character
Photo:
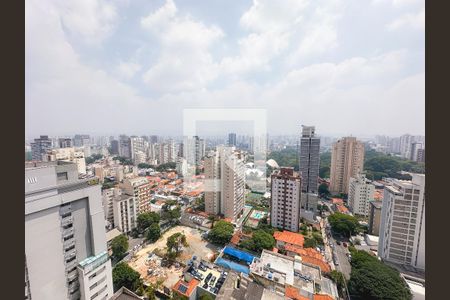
347	67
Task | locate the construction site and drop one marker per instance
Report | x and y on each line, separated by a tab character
150	263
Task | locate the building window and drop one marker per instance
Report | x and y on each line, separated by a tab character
62	176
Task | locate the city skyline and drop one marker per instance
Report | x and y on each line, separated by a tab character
133	66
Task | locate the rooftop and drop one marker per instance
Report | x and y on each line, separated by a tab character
110	235
124	294
185	288
274	266
289	237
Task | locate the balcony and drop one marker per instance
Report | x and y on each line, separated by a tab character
71	265
67	220
74	287
67	232
68	243
75	296
72	275
65	209
68	255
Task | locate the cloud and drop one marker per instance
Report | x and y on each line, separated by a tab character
409	21
91	21
127	70
184	61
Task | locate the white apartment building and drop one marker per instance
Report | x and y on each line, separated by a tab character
182	166
107	201
137	148
286	195
71	154
402	229
225	183
360	193
64	229
124	210
139	187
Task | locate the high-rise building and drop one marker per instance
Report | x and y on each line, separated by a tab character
374	217
405	145
414	153
309	159
64	233
138	187
107	203
40	146
225	185
402	230
124	146
232	139
115	147
421	155
193	150
285	203
75	155
153	139
124	210
360	193
347	160
137	149
80	140
65	143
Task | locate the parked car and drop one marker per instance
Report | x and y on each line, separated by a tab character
345	244
338	242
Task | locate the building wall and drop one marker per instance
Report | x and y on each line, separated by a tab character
285	202
309	160
347	159
49	203
402	230
374	219
360	193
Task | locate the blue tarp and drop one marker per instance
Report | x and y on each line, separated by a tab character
247	257
232	265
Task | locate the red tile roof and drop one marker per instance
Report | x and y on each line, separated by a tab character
293	293
322	297
235	238
289	237
337	201
342	209
191	285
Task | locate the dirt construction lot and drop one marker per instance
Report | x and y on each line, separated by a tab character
141	262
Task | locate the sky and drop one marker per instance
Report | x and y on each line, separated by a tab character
132	66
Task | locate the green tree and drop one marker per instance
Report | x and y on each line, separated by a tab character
150	292
175	243
119	246
221	233
144	220
372	279
124	275
123	160
205	296
144	166
259	241
339	279
318	237
343	224
153	232
323	189
310	243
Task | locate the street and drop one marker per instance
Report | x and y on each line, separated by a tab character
332	249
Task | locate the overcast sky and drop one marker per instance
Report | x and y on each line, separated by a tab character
118	66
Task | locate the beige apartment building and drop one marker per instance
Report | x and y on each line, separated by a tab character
347	160
71	154
285	204
225	183
138	187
